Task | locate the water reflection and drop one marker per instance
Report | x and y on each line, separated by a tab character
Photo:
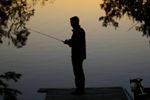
136	10
6	92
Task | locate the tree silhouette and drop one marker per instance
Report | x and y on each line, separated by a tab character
14	14
13	17
136	10
43	2
5	91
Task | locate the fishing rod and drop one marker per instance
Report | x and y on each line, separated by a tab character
46	35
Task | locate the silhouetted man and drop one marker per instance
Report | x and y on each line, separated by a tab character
78	46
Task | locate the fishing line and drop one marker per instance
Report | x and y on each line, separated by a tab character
52	37
132	26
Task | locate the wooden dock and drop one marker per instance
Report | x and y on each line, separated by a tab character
104	93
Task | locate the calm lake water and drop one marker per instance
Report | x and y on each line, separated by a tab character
113	56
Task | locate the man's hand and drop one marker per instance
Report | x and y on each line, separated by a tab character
66	41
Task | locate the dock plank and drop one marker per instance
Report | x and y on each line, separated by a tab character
103	93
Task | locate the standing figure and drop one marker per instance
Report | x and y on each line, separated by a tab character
78	54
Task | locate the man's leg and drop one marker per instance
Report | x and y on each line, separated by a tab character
79	74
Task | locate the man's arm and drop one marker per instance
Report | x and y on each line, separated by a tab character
68	42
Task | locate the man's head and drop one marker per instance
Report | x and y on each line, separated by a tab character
74	21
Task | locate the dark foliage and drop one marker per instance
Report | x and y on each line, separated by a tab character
136	10
5	91
13	17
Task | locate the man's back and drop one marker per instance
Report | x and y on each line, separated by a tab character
78	43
